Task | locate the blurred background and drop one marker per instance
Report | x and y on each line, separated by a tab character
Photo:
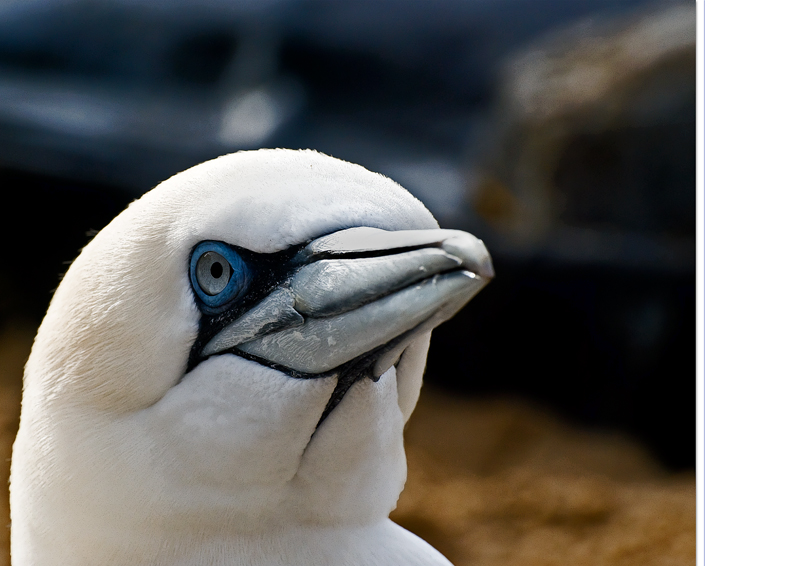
557	424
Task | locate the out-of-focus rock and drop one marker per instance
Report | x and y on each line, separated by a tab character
585	194
590	152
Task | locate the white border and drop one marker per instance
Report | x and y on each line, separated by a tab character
700	294
750	465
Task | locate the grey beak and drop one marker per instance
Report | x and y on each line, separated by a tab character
357	290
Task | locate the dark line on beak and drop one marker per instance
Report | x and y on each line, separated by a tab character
306	258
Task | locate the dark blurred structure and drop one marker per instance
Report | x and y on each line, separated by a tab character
585	193
560	132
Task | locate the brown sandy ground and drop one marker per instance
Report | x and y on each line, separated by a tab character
495	482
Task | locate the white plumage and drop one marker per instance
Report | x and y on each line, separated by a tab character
123	457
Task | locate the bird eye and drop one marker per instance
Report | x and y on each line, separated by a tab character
213	273
218	274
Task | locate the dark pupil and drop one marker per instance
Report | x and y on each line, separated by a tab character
216	270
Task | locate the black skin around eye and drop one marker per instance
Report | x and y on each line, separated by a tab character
266	272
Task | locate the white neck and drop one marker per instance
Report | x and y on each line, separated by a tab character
382	543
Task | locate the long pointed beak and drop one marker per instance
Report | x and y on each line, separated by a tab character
356	291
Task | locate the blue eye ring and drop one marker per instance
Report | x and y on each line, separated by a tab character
219	275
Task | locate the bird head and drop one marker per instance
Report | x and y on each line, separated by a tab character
237	351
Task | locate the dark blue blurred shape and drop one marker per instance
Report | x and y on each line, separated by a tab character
130	92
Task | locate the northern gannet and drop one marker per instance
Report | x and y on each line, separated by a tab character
225	371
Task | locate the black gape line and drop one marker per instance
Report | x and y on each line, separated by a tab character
347	374
267	272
